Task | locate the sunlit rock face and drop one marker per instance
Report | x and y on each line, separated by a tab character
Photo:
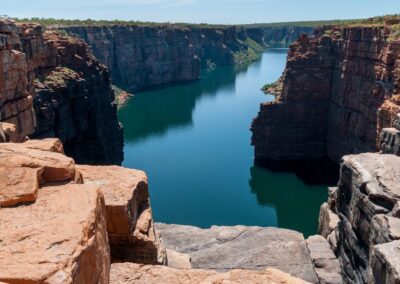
143	56
52	86
340	89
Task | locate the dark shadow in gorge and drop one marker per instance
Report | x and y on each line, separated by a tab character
157	110
305	188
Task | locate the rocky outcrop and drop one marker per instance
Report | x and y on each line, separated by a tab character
15	95
59	219
366	202
141	56
124	273
52	86
340	90
128	213
389	139
240	247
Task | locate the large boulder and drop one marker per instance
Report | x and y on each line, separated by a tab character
61	238
129	218
240	247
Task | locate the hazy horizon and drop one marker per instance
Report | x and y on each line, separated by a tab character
201	11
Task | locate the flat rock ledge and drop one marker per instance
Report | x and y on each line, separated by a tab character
126	273
239	247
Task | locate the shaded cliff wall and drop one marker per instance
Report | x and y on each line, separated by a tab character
339	92
54	87
143	56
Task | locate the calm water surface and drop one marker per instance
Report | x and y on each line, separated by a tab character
193	140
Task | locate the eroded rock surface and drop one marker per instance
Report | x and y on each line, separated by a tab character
57	239
129	218
340	89
141	56
52	86
367	204
239	247
122	273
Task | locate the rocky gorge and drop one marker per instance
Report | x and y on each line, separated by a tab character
338	99
62	221
52	86
144	56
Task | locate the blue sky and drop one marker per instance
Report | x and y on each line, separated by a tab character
201	11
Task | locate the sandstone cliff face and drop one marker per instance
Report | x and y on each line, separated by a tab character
53	87
143	56
367	228
339	92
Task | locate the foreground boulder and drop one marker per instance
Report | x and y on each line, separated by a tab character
124	273
129	217
367	204
239	247
57	239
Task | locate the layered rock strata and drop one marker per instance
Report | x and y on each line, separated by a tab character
340	89
255	248
52	86
366	202
143	56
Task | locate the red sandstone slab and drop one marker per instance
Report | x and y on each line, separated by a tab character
18	185
61	238
56	166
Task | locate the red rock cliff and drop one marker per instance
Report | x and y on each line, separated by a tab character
340	89
52	86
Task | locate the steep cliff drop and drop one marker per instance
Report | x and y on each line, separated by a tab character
340	95
147	55
340	89
51	86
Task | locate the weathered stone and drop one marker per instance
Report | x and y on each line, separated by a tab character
367	202
58	239
124	273
49	144
339	91
385	263
327	220
31	96
10	132
18	185
134	54
56	167
239	247
327	266
178	260
129	219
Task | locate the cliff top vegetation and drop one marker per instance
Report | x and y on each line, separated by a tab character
91	22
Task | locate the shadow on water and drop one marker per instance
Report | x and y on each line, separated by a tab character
157	110
295	189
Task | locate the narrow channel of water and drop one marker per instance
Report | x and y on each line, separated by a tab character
193	140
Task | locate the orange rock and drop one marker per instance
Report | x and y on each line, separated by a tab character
129	218
49	144
122	273
56	167
18	185
61	238
10	131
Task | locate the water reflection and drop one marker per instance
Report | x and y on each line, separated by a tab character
296	202
156	111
